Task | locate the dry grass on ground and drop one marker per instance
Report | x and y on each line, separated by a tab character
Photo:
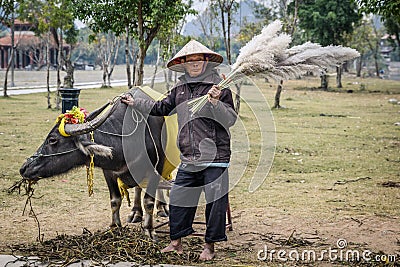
336	153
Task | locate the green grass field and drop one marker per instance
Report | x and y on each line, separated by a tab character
336	162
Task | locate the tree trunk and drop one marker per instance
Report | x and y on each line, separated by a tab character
141	51
166	79
5	94
59	66
105	69
155	67
296	9
359	66
48	72
277	103
345	67
13	49
139	66
224	28
226	7
397	36
69	78
376	64
229	56
228	48
109	79
339	70
114	62
324	81
128	67
10	63
375	48
135	60
170	76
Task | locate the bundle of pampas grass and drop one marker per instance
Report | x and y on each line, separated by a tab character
268	55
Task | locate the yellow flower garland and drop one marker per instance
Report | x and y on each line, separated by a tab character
74	116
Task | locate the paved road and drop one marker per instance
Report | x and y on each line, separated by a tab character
28	82
88	85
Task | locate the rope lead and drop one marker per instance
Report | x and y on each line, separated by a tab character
90	170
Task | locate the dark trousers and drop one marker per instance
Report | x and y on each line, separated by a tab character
184	197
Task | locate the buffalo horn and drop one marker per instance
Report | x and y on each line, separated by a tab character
91	125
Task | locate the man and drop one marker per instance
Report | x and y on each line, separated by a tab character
204	144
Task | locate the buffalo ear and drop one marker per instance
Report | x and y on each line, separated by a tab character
91	148
99	150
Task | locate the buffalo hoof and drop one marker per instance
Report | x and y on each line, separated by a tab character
137	219
134	218
163	212
151	234
114	225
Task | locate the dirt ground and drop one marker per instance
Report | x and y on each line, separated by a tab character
254	229
380	235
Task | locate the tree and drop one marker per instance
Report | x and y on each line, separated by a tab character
53	19
7	15
359	40
7	8
393	28
289	26
142	19
170	42
326	22
32	11
208	23
265	14
249	29
226	9
390	12
61	20
387	9
366	39
373	44
71	38
108	46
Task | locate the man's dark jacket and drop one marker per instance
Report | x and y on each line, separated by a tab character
204	136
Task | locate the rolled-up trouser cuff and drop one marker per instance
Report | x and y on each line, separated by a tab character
213	240
181	234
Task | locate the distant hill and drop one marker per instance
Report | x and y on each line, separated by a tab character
245	12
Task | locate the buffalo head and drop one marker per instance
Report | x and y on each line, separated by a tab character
58	154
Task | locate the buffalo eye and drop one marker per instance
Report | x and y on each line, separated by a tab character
53	141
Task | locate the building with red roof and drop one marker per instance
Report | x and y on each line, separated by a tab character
30	50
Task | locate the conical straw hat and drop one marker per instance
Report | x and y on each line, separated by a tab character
191	48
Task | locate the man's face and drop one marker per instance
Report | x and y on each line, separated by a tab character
195	65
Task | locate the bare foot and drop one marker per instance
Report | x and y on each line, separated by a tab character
175	245
208	252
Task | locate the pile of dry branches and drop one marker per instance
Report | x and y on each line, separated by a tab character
125	244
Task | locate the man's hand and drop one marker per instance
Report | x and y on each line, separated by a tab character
127	99
214	94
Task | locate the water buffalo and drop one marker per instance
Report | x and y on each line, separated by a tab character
127	144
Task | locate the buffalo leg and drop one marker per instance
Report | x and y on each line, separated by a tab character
161	204
115	198
149	201
136	214
148	217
